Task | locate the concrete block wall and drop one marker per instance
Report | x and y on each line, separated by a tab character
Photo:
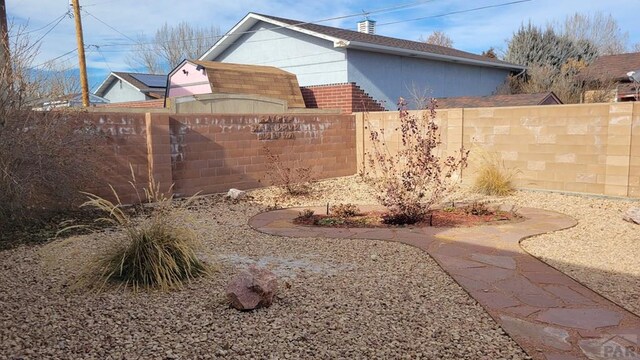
588	148
122	148
212	153
634	154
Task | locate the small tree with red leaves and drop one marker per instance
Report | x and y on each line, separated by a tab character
411	181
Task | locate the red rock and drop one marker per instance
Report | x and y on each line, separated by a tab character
252	289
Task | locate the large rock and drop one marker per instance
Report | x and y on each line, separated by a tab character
252	289
236	194
632	215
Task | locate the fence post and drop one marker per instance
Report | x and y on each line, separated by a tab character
618	153
360	137
159	150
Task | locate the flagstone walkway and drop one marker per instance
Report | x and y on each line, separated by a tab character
550	315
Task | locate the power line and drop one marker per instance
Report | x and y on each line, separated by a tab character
46	33
101	54
390	9
366	13
109	26
44	27
456	12
56	58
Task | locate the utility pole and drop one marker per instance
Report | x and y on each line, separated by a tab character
5	64
81	59
5	56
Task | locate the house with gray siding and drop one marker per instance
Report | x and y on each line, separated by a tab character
126	87
373	67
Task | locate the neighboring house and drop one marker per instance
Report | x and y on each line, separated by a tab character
146	104
65	101
208	77
350	68
606	78
126	87
548	98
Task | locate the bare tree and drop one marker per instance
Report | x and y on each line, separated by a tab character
490	53
170	45
599	29
45	156
636	47
439	38
145	55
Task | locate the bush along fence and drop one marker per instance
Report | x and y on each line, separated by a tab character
586	148
212	153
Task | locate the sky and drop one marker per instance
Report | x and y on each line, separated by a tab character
110	26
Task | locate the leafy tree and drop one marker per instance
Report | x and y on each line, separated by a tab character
170	45
439	38
531	45
553	62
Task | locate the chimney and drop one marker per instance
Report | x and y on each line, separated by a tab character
367	26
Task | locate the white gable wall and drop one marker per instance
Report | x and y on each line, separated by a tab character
314	61
122	91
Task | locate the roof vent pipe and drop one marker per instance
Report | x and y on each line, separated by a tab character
367	26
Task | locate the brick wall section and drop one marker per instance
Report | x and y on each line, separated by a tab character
123	147
584	148
348	97
212	153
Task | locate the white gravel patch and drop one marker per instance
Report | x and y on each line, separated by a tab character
335	301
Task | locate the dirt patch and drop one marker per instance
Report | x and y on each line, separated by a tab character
459	216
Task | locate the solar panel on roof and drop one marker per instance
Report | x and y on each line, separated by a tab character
151	80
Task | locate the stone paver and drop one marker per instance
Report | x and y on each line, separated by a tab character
548	313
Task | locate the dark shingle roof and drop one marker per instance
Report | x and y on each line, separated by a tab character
498	100
612	67
351	35
267	81
128	77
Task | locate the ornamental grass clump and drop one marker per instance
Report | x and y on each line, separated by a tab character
154	250
412	180
493	177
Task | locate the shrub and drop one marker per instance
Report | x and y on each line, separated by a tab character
477	208
414	179
45	156
493	177
156	251
306	214
345	210
290	176
45	159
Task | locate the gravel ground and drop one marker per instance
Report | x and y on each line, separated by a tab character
601	252
336	299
